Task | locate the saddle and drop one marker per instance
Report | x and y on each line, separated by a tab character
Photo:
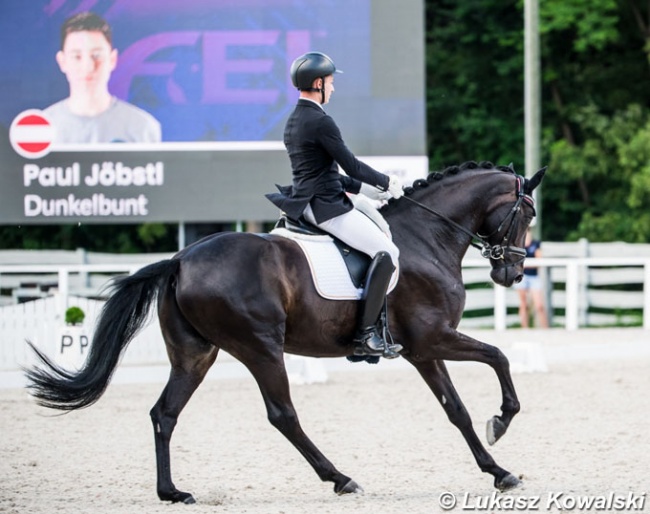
356	262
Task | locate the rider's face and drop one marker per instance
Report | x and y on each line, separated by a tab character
87	60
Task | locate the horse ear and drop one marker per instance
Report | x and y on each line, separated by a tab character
534	181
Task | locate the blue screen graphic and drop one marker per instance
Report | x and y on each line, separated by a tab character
207	70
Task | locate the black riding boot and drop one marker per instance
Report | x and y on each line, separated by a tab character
369	338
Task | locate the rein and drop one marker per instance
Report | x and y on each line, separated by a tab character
488	251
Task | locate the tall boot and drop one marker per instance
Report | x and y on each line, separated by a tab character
369	338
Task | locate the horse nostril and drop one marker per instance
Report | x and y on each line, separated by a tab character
519	278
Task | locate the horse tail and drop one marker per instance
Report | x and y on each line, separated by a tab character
121	318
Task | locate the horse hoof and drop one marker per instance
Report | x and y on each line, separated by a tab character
495	429
507	483
178	497
350	487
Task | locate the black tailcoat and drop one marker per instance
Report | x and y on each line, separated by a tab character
315	147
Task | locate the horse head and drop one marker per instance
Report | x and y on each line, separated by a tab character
491	205
505	226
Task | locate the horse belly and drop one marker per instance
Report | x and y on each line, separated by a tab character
320	328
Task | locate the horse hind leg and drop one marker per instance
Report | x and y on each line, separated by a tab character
271	375
436	376
191	358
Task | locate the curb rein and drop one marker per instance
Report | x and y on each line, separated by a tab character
488	251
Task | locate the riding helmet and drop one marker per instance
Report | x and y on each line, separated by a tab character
310	66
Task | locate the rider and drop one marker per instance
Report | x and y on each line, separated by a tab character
316	148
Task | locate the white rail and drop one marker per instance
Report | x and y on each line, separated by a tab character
63	273
573	267
574	280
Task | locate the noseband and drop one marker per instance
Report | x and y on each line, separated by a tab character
496	252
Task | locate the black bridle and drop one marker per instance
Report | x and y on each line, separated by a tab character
488	251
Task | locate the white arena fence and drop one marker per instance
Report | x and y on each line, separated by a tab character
608	286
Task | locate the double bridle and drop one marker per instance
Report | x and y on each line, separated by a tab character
488	251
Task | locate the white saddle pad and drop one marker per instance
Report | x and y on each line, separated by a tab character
328	270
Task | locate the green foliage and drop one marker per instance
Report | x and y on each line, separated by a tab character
613	165
593	23
595	99
150	233
150	237
474	81
74	316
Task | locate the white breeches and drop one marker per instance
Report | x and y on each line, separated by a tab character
357	230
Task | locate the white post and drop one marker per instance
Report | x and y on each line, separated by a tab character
583	298
646	295
532	96
64	291
571	305
181	236
500	308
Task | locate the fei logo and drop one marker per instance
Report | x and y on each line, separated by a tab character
31	134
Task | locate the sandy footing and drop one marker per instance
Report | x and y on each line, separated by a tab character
582	431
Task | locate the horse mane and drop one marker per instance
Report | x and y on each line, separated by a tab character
434	176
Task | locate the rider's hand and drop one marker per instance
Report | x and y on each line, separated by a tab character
395	187
373	193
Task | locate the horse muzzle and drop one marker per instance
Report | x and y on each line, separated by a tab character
507	274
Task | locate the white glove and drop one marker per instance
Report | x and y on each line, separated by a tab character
373	193
395	187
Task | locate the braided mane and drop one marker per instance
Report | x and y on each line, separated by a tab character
450	170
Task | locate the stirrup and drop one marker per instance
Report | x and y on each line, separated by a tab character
370	343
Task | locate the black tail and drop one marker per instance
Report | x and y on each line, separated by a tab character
122	317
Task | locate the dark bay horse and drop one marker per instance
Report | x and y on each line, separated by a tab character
252	295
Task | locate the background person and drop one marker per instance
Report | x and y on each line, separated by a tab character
316	149
530	288
91	114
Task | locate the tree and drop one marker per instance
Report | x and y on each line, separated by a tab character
474	53
596	77
148	237
595	65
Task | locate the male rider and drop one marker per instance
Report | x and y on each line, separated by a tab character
318	193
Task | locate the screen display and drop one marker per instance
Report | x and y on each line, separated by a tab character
192	98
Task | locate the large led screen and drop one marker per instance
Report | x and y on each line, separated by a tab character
198	92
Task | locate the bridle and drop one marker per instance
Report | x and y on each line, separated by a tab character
499	251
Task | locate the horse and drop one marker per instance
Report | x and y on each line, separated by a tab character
252	296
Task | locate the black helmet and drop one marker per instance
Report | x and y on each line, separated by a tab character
307	68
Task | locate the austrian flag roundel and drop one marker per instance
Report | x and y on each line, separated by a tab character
31	134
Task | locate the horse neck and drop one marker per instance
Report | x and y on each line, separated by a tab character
465	198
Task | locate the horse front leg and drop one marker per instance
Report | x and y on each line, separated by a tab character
436	376
498	425
460	347
271	376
